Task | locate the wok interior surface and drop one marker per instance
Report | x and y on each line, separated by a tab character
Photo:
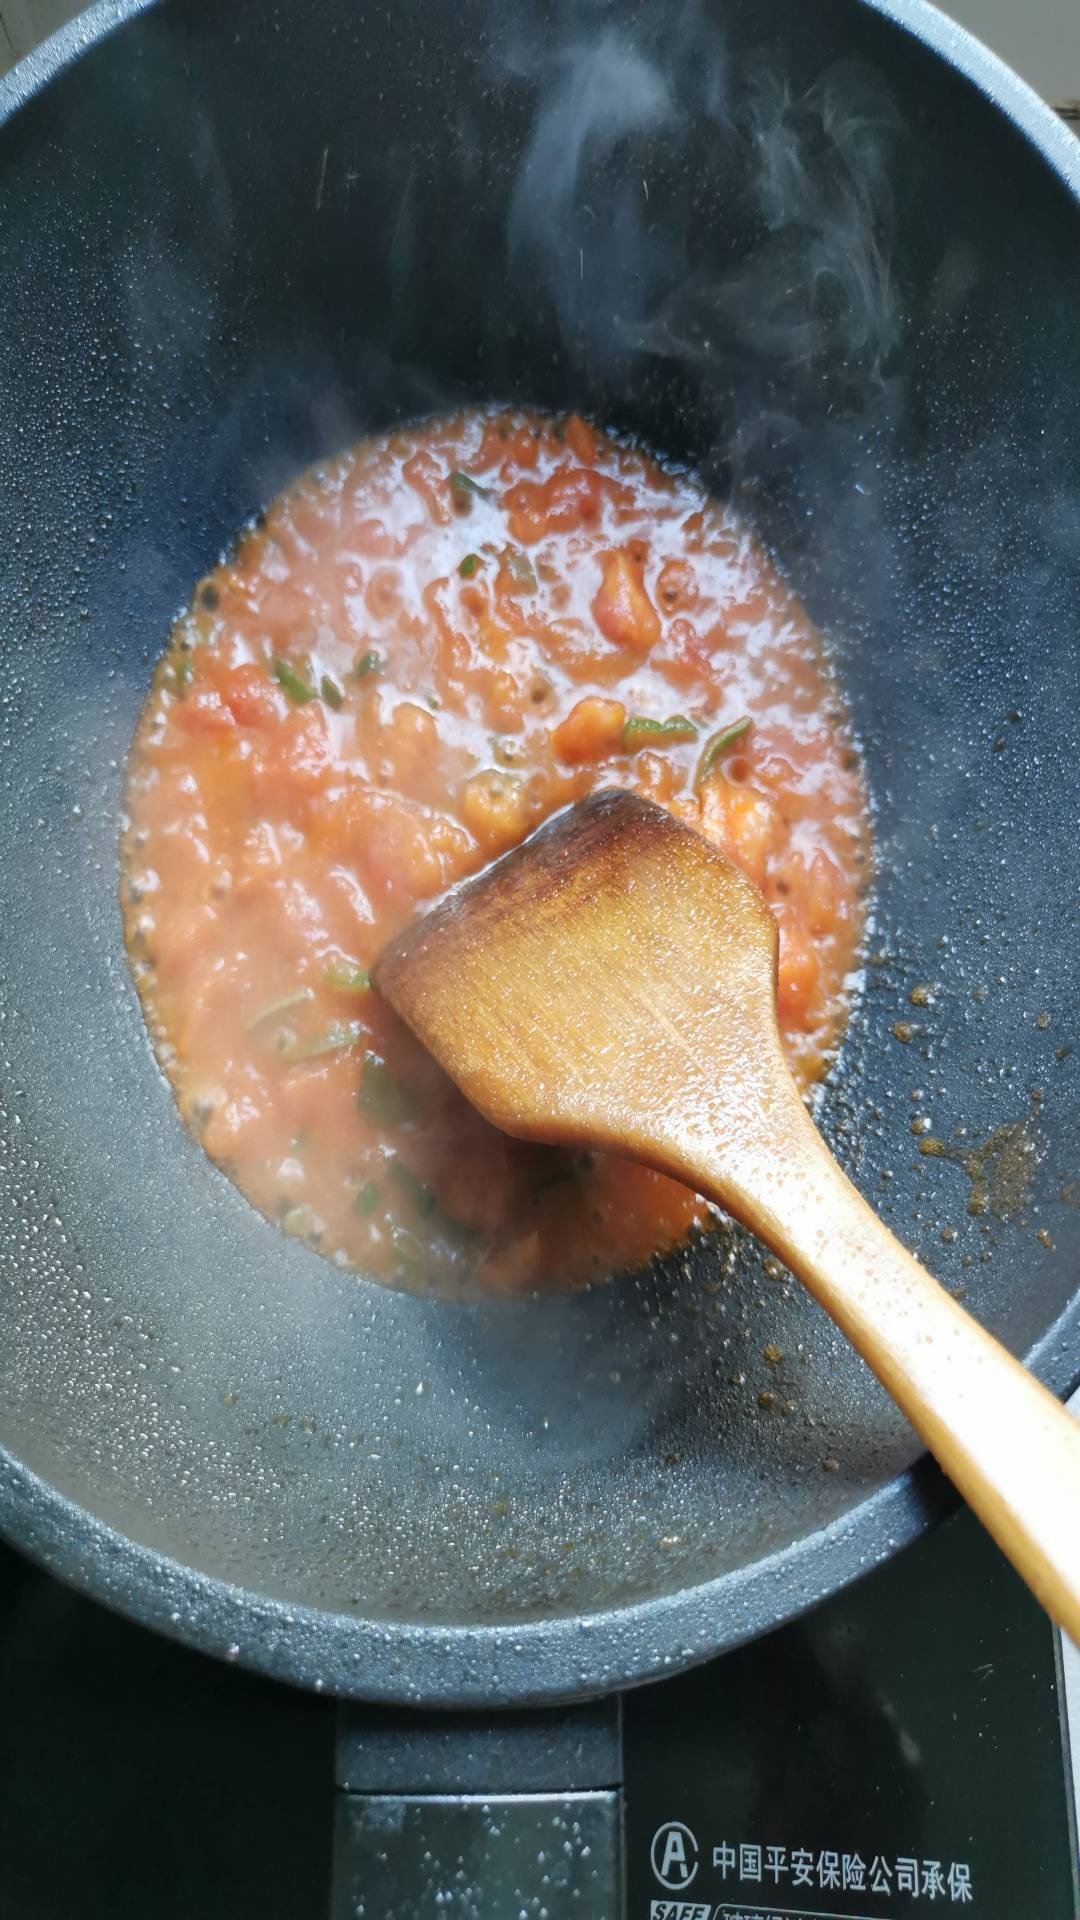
795	249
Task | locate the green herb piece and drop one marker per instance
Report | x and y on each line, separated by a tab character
183	668
719	745
657	733
521	566
382	1097
337	1038
464	483
277	1007
407	1247
468	566
343	978
331	692
461	1238
367	1198
422	1197
370	663
298	690
300	1222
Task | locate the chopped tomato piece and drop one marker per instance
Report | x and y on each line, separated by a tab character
655	777
825	902
494	806
591	729
571	498
202	710
581	440
252	698
742	822
676	587
431	481
521	450
622	608
798	988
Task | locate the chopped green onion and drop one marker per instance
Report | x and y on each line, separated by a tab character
657	733
719	745
461	1236
407	1247
337	1038
521	566
300	1222
468	566
343	978
277	1007
367	1198
422	1197
370	663
183	668
382	1097
464	483
331	692
298	690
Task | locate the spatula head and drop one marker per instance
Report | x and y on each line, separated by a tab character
600	985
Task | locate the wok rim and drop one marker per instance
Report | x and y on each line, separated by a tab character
526	1663
571	1656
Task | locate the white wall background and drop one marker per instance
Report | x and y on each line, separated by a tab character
1040	38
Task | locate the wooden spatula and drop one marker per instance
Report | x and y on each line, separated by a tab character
612	984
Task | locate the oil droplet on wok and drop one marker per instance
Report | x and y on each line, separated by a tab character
1000	1169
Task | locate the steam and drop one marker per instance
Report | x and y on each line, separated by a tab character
817	289
599	94
772	294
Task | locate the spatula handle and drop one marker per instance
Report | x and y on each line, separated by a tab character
1009	1447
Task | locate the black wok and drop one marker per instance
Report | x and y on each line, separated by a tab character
834	262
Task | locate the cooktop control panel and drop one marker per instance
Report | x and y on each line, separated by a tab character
899	1752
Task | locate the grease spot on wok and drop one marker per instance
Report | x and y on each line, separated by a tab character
1000	1169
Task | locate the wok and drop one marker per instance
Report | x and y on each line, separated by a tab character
833	261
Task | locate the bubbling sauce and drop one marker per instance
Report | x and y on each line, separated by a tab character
427	646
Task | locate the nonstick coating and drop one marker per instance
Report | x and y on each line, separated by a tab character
792	244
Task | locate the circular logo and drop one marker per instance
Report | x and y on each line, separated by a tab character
674	1856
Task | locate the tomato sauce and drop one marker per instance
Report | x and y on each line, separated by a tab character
426	647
